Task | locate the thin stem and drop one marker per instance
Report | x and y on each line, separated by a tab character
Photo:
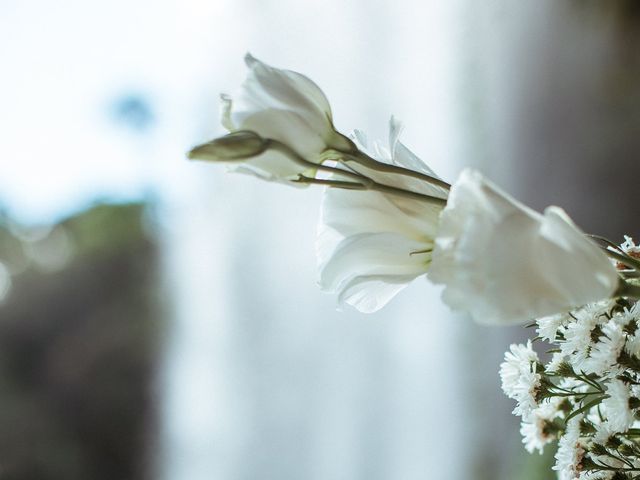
576	394
406	193
330	183
366	161
621	459
282	148
367	183
591	382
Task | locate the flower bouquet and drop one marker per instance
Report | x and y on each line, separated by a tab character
387	218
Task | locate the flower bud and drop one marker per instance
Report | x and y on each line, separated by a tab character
235	146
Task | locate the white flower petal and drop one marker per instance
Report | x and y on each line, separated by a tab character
287	127
504	263
369	294
401	155
351	213
375	254
268	86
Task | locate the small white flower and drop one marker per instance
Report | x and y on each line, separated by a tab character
616	407
556	360
520	379
578	341
603	433
577	344
535	429
505	263
518	359
604	354
279	105
526	391
548	326
371	245
594	313
624	317
577	337
570	452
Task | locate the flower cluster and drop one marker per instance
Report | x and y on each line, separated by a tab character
387	218
587	395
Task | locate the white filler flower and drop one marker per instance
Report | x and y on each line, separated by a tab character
370	244
518	359
282	106
570	451
617	407
536	431
505	263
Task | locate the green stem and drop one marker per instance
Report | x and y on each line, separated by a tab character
284	149
367	183
330	183
409	194
366	161
623	258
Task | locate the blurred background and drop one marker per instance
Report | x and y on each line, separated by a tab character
159	319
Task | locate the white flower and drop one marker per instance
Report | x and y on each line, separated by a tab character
625	317
535	430
577	334
557	359
519	358
370	245
603	433
616	406
505	263
577	337
279	105
604	354
632	347
526	391
520	379
548	326
570	451
595	313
